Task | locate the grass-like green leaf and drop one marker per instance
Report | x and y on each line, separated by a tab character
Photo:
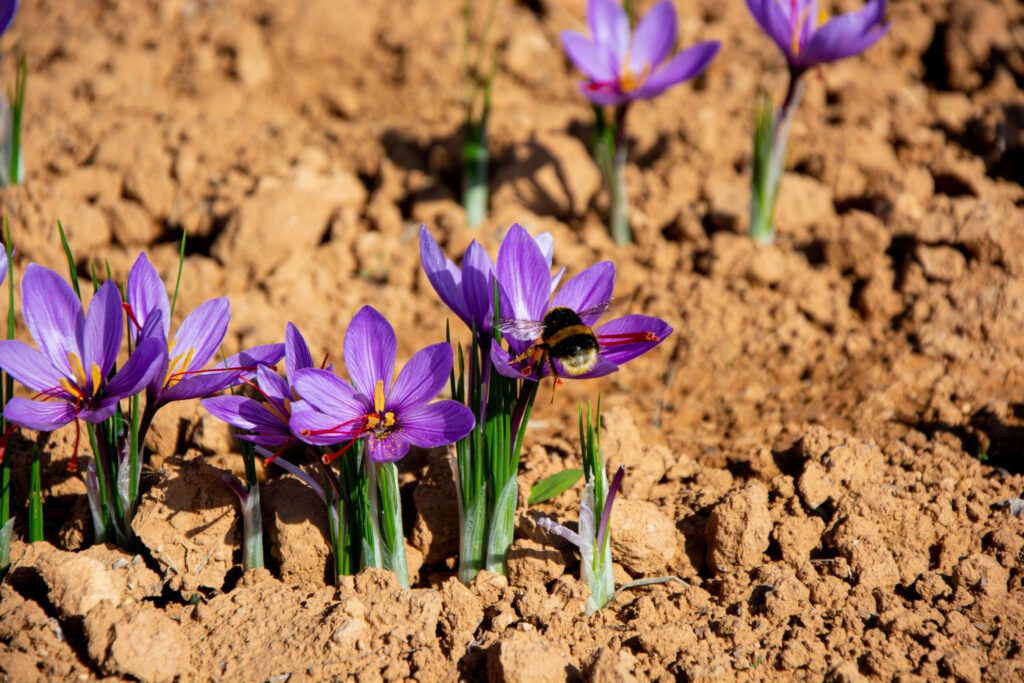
552	486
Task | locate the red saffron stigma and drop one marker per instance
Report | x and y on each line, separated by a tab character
131	315
73	462
627	338
3	441
328	458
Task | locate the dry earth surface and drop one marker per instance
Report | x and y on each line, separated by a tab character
821	452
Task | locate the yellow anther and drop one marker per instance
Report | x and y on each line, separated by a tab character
372	421
177	366
378	396
70	388
822	16
97	379
630	81
389	419
76	368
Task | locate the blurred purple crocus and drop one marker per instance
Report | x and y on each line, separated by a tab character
184	373
265	423
525	301
620	67
4	263
807	37
71	370
391	417
469	291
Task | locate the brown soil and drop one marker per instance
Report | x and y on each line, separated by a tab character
820	452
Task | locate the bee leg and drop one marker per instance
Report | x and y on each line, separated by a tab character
555	379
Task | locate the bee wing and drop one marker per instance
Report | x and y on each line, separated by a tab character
527	330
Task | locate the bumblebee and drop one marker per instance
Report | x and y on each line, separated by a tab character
563	336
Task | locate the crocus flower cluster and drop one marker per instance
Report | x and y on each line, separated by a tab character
536	328
621	66
371	419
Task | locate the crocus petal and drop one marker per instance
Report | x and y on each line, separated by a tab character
546	244
313	427
609	25
443	275
248	361
142	366
268	438
592	59
688	64
556	278
329	394
654	37
198	386
437	424
7	11
422	378
103	330
244	413
619	353
588	289
478	287
101	412
601	368
43	416
370	349
4	264
296	351
202	332
773	16
524	276
501	360
602	94
53	315
28	366
147	295
846	35
389	448
273	386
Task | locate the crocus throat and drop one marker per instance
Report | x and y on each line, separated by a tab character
381	423
629	81
81	385
176	368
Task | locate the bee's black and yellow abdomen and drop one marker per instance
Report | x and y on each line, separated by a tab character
569	341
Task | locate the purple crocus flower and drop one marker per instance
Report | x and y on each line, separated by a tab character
807	38
525	296
391	417
469	291
266	422
193	345
71	370
620	67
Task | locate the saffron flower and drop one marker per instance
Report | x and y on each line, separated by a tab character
184	373
71	370
469	291
266	422
807	37
390	417
526	302
619	67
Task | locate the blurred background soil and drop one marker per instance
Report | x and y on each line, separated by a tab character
821	451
